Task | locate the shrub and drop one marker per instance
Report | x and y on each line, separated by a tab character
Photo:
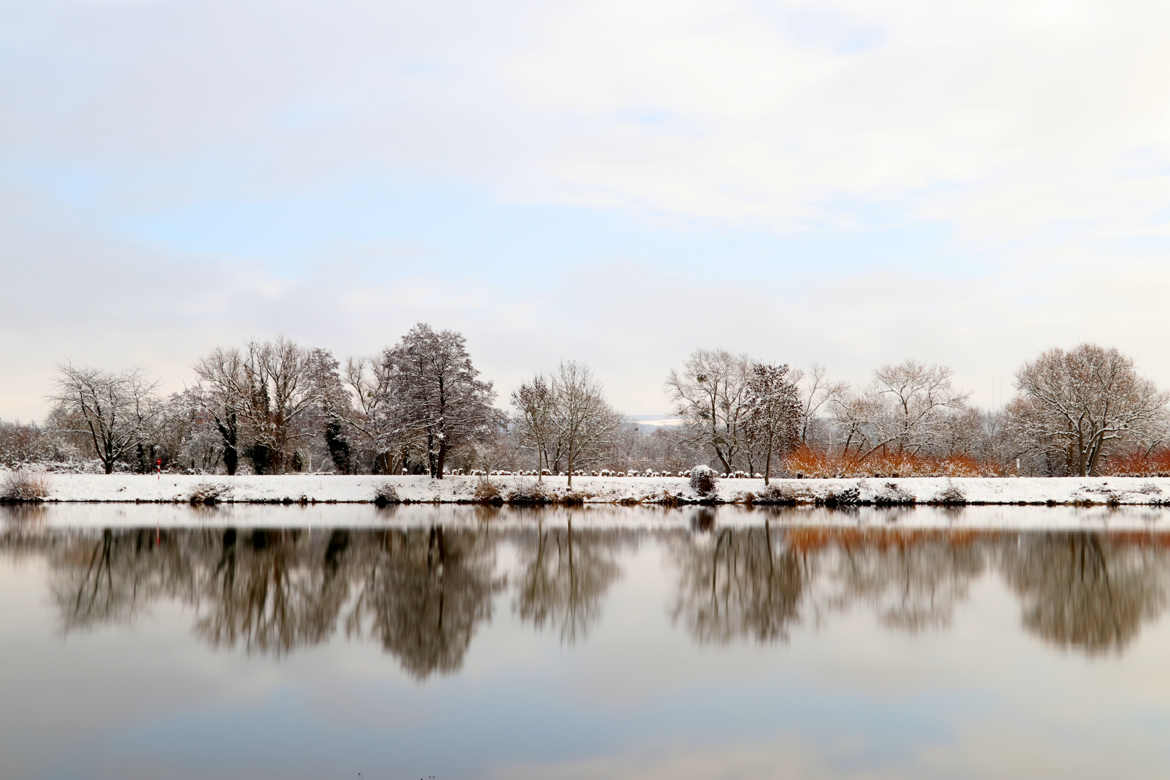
487	492
532	494
776	495
24	487
952	496
208	494
846	497
669	499
573	499
1139	464
703	480
807	462
893	495
386	495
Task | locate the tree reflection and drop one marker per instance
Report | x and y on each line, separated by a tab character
110	578
738	583
423	593
567	574
912	580
1085	590
265	594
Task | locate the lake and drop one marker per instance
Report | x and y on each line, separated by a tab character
466	642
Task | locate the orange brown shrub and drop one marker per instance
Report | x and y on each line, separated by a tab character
817	464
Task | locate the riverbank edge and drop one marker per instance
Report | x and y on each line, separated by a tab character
552	491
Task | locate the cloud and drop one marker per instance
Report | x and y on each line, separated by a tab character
997	117
1035	137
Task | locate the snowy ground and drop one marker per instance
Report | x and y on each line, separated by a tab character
362	489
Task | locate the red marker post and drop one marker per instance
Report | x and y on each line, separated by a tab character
158	467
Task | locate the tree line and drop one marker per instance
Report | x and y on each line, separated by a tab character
420	406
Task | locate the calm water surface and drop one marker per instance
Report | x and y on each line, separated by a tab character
457	643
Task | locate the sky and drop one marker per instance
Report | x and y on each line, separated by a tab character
620	183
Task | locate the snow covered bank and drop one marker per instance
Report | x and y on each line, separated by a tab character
328	488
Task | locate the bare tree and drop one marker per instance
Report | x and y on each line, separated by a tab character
114	411
854	416
534	402
709	395
584	422
816	391
1076	404
438	395
773	411
916	399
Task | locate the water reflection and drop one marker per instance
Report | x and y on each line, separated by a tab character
1087	591
564	575
423	593
745	582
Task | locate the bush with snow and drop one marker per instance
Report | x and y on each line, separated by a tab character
487	492
208	494
385	495
775	495
529	494
845	497
951	496
703	480
24	487
893	494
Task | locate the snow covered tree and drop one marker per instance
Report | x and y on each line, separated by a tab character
918	398
774	411
371	417
854	416
709	395
222	394
330	416
583	421
1073	405
265	400
114	411
534	402
437	395
185	434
